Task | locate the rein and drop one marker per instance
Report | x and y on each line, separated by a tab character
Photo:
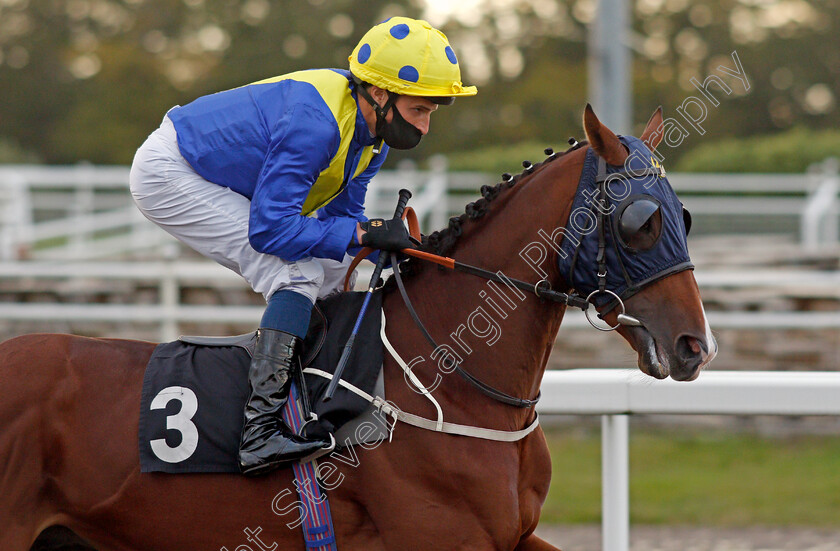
484	388
541	289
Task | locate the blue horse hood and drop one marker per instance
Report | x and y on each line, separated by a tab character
627	270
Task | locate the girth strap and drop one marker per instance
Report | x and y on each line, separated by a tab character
436	425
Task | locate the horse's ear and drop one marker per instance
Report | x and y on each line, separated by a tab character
653	130
602	139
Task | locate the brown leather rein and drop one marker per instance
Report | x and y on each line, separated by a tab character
541	289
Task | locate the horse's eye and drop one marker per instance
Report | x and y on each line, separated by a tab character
639	224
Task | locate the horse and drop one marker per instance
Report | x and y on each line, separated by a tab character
69	419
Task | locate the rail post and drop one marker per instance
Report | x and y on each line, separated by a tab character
615	474
818	222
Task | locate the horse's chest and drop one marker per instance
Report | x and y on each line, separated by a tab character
460	498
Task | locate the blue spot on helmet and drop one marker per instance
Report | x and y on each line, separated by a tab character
364	53
399	31
450	55
409	73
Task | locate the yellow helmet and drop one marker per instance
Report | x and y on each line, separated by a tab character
409	57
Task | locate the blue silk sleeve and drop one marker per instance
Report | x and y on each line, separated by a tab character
303	141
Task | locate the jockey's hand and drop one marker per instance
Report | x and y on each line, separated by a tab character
385	235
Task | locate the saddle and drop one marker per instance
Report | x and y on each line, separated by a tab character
195	389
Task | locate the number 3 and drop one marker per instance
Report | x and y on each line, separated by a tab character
180	422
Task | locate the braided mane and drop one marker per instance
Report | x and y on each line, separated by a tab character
442	241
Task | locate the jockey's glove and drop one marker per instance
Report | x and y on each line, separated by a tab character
386	235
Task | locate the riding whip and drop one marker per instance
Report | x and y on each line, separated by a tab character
405	195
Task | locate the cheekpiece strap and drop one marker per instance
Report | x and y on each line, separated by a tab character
602	235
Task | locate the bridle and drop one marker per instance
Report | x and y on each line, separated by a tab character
601	180
541	289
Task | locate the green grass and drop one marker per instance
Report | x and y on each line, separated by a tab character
701	478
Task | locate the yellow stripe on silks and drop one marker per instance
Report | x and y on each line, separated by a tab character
335	91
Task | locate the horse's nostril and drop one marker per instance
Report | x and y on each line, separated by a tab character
689	348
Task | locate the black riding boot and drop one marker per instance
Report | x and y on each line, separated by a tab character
267	442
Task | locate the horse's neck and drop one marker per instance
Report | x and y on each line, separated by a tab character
503	335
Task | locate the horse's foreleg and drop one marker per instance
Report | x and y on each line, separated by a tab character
20	486
16	539
22	480
533	543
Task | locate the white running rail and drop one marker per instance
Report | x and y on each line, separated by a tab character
85	211
615	393
170	277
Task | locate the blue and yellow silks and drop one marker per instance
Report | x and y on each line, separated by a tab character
291	144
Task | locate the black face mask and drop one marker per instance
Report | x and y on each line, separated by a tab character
399	133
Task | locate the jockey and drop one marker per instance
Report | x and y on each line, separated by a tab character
269	180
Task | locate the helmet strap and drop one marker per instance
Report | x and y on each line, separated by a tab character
399	133
380	111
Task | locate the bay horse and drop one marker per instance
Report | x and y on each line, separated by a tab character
69	415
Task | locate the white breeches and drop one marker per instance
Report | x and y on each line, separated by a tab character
213	220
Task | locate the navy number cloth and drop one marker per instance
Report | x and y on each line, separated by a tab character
191	408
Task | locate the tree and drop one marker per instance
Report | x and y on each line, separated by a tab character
90	79
528	58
